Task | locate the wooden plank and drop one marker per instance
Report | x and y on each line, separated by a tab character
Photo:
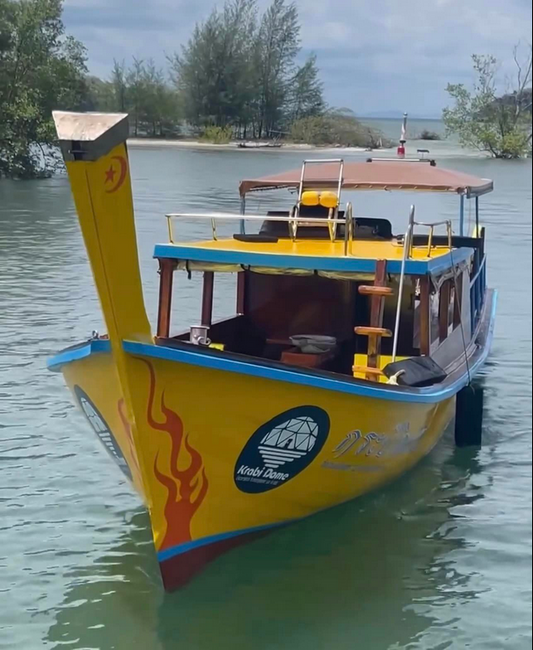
207	298
364	370
444	310
425	322
373	331
166	271
384	292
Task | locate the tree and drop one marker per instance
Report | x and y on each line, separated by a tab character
6	26
499	125
158	102
240	71
278	45
306	94
135	80
100	96
214	72
41	69
120	87
141	90
336	127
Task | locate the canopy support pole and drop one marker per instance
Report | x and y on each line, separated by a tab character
243	212
241	293
462	216
167	268
207	298
477	216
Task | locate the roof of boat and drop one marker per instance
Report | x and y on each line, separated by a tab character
376	174
231	255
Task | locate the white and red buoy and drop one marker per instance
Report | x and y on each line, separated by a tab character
403	139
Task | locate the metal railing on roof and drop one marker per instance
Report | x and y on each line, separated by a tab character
294	222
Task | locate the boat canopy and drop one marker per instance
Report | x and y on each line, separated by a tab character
375	174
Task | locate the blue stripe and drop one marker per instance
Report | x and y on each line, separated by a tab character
432	395
217	362
78	353
338	264
168	554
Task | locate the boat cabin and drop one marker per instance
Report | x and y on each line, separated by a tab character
322	289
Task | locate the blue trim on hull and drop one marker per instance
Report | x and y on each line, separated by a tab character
337	264
78	353
168	554
433	395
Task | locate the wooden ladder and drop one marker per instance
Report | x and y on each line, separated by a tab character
378	292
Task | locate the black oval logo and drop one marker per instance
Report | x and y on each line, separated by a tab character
100	427
281	449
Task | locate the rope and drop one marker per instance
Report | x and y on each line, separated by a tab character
456	282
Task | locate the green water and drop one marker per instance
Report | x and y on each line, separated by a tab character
441	559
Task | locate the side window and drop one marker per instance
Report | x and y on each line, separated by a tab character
458	301
435	303
446	309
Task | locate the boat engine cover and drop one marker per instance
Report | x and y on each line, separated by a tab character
416	372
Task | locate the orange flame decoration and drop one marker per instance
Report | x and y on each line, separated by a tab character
181	505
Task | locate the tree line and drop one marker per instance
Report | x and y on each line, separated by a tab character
241	74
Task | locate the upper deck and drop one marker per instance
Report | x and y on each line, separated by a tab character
318	235
316	255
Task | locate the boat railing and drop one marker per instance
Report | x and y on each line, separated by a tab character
431	236
407	254
292	220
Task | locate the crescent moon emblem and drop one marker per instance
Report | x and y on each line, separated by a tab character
111	173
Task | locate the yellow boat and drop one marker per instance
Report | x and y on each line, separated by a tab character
350	351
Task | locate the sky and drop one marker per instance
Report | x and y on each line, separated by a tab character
376	57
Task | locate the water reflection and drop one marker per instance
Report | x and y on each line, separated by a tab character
364	575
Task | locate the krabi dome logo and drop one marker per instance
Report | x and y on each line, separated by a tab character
102	430
281	449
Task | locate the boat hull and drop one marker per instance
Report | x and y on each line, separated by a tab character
223	458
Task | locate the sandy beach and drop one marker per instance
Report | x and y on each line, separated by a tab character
198	144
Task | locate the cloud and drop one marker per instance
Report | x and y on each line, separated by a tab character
374	54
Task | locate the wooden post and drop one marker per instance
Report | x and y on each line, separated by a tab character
484	272
462	216
458	307
241	293
425	322
165	297
207	298
444	310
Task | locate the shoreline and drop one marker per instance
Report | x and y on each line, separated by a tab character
443	149
140	143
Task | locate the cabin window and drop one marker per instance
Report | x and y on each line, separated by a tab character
445	310
262	312
458	301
